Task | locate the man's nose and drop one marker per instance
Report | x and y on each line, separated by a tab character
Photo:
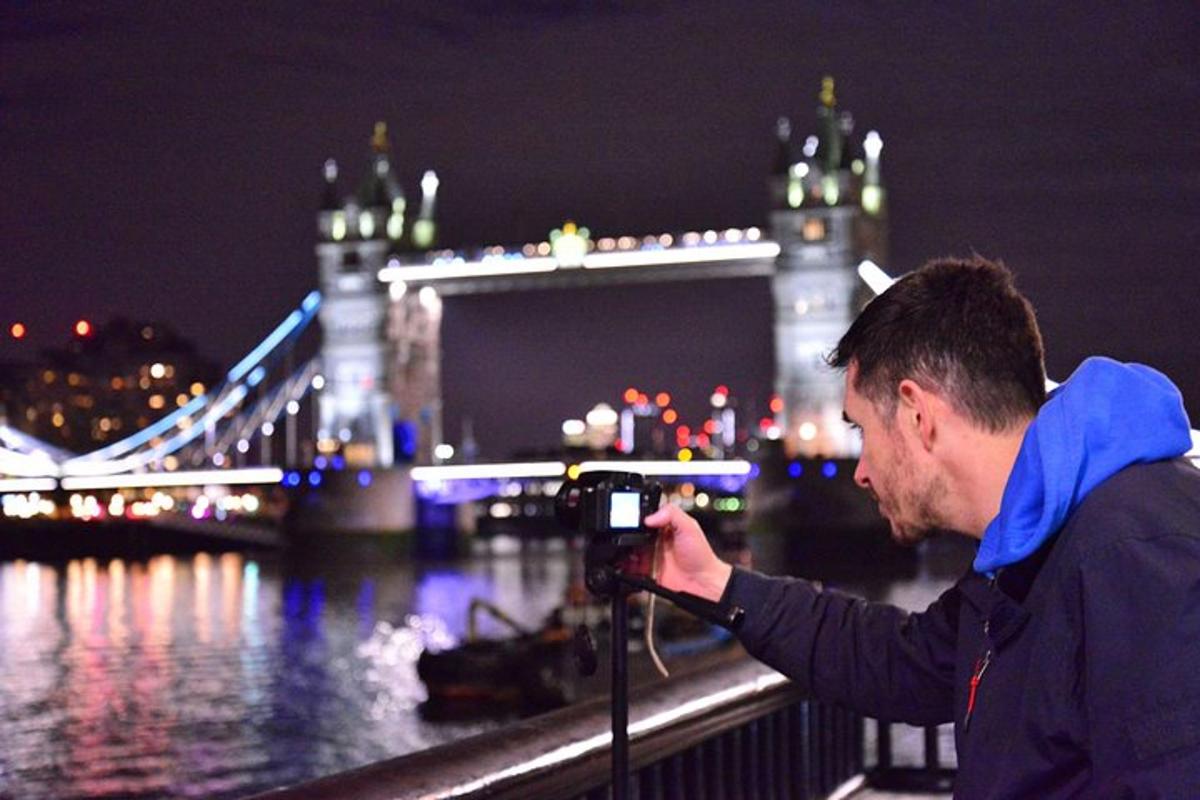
860	475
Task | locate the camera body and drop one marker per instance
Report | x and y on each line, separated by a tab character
609	509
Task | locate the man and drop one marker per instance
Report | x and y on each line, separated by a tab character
1069	656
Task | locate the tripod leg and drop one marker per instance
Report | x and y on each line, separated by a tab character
620	695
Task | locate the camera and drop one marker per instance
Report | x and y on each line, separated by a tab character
609	509
609	506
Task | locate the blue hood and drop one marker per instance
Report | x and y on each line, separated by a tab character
1107	416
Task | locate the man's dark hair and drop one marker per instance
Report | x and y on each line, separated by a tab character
957	326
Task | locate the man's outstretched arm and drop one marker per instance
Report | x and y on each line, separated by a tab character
875	658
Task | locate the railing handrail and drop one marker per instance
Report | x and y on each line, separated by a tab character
566	752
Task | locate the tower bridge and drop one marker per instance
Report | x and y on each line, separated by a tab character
379	306
382	279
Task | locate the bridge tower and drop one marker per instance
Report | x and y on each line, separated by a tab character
414	328
827	215
356	234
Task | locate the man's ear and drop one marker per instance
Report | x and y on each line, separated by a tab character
917	411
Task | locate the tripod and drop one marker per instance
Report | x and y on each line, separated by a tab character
608	580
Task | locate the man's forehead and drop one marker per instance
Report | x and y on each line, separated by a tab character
854	405
851	402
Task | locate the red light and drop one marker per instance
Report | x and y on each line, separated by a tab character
643	400
776	404
765	423
710	426
619	445
18	330
722	389
702	439
83	328
631	395
669	416
662	400
683	432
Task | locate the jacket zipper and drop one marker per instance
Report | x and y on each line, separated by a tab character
981	665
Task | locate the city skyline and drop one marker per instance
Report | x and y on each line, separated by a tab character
169	165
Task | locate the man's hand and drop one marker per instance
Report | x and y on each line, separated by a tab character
688	561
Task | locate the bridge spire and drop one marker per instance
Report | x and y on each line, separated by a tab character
330	200
829	132
380	187
379	139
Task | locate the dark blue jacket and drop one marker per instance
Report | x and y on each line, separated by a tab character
1092	684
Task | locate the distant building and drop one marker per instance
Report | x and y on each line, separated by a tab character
105	385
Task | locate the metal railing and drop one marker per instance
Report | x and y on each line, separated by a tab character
932	776
736	729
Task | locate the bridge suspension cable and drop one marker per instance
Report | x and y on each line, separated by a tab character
131	453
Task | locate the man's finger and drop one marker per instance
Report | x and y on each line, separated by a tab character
661	517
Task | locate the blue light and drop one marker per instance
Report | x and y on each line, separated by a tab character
289	324
320	462
314	478
291	478
795	469
146	434
256	375
829	469
754	470
297	319
364	478
339	463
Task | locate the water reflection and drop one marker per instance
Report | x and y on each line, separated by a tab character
216	675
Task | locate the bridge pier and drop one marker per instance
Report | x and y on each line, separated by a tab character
346	503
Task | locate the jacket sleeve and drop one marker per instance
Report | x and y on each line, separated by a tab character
1141	665
875	658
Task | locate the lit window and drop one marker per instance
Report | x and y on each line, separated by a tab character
366	225
814	229
872	199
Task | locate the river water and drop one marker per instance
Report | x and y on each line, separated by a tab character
217	675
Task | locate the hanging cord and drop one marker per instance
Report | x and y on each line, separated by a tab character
649	632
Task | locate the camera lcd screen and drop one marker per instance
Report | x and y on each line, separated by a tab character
625	510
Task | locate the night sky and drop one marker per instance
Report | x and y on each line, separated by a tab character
163	161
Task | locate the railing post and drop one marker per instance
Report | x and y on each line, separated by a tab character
932	756
883	744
